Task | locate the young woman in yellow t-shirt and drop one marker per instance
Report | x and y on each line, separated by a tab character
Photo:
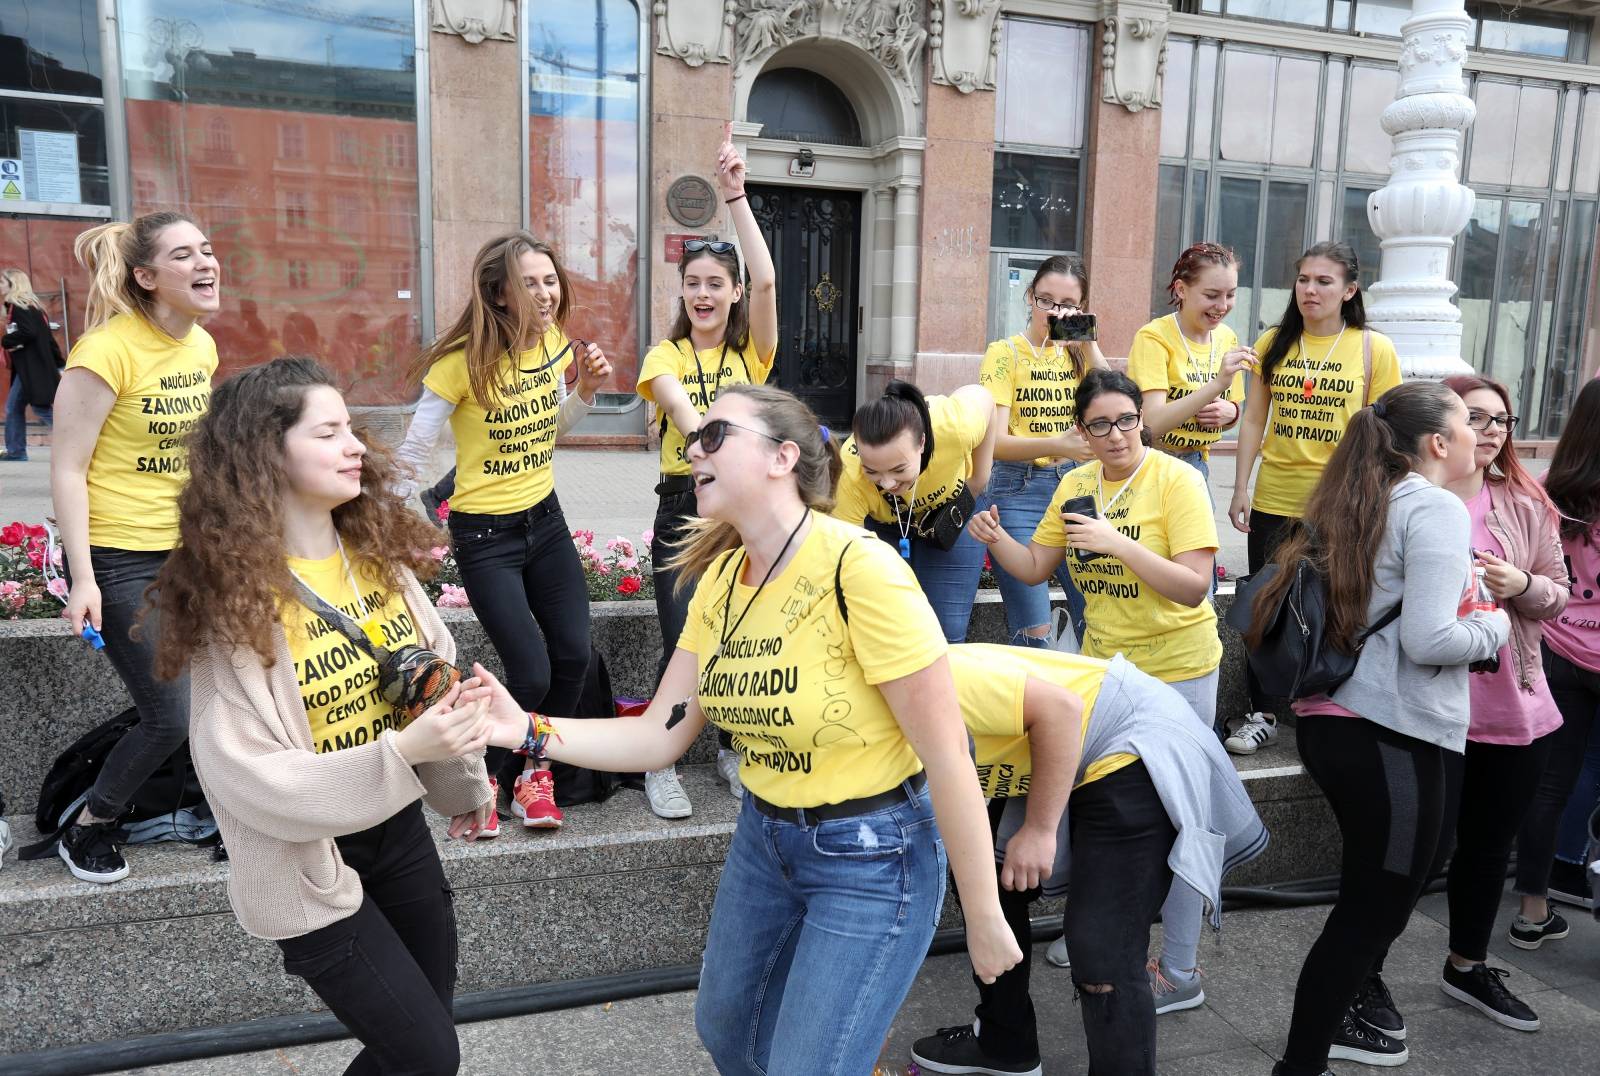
811	642
1032	380
724	332
498	377
1317	368
1187	363
913	468
136	382
315	777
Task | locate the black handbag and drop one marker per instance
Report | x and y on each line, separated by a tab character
940	527
1294	658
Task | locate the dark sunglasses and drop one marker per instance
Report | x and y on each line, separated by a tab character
713	433
695	246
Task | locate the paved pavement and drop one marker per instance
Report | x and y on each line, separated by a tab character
1238	1032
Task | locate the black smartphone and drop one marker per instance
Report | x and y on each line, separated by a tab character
1083	506
1073	328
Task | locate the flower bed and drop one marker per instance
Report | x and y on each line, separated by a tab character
25	592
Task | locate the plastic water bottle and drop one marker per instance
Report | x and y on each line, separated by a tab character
1481	601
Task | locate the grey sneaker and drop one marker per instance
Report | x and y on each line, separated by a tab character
666	795
1057	953
1175	997
728	770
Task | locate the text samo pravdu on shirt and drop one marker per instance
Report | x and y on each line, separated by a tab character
1119	586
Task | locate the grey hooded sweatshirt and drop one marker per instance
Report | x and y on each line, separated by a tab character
1412	676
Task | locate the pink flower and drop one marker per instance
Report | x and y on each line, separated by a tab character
629	584
438	552
18	601
58	587
453	597
584	539
649	536
443	511
13	534
628	564
602	568
36	557
9	587
55	556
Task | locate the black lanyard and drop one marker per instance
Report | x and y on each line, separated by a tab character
727	606
700	374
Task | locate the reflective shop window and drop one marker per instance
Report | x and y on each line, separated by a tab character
50	47
275	125
802	105
1040	125
583	147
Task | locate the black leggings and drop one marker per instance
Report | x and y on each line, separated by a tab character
523	577
1007	1027
1390	794
388	972
1577	694
1121	838
1267	532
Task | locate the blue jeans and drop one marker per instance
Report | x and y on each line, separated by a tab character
1022	491
17	420
1572	839
816	936
949	579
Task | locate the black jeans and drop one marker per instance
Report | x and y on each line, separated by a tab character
388	972
1577	694
1121	837
1390	794
673	513
1267	532
123	575
1007	1027
522	575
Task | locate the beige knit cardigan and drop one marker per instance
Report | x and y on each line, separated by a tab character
279	804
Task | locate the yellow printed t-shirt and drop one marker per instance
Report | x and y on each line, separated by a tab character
163	387
1302	431
716	368
338	679
1162	359
795	683
957	430
990	683
1167	511
503	451
1036	384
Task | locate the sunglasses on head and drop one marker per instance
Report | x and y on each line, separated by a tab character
695	246
711	435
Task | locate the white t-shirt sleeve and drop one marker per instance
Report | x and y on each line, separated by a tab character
427	422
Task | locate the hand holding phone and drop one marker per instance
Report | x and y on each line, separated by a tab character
1082	506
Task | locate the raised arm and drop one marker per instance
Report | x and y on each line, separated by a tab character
1031	563
673	400
762	293
1162	416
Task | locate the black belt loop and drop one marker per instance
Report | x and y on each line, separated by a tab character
805	817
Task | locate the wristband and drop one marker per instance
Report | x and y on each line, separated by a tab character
1525	586
539	732
730	201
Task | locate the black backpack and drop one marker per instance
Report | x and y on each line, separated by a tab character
1294	659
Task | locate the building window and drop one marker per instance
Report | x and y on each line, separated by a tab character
399	149
299	274
804	106
219	135
347	147
349	274
291	141
296	210
400	276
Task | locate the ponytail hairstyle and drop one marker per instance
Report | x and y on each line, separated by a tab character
816	473
1505	468
1197	257
1573	480
1346	518
1066	266
1105	382
901	407
736	335
19	289
111	252
499	316
1293	324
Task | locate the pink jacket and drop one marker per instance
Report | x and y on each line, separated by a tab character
1532	542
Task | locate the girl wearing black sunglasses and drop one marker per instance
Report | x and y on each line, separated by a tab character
724	332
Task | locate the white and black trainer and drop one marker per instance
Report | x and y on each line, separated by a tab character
1484	988
1356	1040
93	852
1259	730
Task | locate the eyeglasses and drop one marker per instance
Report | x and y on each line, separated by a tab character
1049	306
1101	427
713	433
1481	420
695	246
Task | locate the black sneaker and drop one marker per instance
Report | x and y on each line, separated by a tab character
1569	883
1526	934
1279	1070
956	1049
1357	1041
1375	1006
1484	989
93	852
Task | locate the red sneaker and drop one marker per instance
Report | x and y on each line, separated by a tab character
533	799
492	827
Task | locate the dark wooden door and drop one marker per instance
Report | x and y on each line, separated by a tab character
815	238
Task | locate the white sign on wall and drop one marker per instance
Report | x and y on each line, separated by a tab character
50	165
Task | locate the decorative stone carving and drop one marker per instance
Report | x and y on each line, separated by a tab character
476	20
891	30
964	36
696	31
1424	206
1133	53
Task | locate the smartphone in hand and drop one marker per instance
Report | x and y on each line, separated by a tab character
1083	506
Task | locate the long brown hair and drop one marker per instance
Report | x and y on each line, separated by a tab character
228	578
736	334
499	315
1346	518
816	474
1506	468
1573	480
111	252
1293	323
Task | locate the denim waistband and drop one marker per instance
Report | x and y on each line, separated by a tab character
906	791
547	507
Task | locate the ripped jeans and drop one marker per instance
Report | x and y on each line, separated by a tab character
1022	490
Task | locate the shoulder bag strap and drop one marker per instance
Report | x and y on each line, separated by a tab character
1366	367
340	622
838	586
1383	622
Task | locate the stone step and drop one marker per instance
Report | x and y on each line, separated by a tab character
616	890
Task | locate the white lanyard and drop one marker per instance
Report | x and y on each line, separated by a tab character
1038	356
1211	363
361	603
1100	486
905	527
1310	386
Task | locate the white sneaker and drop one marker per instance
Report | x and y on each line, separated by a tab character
1258	731
728	770
666	795
5	840
1057	953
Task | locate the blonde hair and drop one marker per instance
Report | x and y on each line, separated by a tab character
19	289
816	473
488	330
111	252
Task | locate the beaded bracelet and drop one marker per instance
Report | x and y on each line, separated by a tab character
539	732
